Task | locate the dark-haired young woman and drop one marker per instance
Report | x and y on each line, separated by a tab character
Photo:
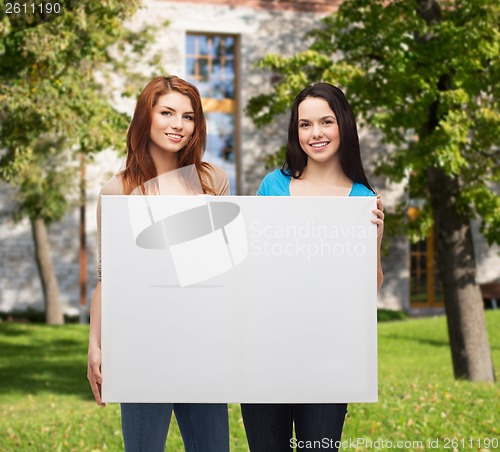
167	132
322	159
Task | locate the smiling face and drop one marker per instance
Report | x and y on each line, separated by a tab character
172	123
318	131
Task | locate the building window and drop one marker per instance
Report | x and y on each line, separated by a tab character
210	65
425	284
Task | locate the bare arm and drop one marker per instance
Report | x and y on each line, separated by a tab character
95	318
94	356
380	273
379	221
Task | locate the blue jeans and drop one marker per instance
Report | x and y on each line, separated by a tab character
204	426
269	426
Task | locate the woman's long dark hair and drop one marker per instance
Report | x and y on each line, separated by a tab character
349	152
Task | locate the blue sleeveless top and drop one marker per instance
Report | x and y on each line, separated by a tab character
277	184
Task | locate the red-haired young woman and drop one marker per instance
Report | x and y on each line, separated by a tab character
167	132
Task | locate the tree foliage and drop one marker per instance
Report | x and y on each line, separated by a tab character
426	73
58	80
56	99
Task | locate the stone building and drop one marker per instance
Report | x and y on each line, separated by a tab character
216	44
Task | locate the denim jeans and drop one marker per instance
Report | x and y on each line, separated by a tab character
269	426
204	426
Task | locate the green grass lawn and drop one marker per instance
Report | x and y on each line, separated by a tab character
46	404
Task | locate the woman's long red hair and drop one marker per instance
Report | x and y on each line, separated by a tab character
139	166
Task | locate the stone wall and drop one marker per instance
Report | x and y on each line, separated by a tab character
259	31
319	6
20	286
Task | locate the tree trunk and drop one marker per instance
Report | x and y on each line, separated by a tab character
53	310
83	244
456	260
457	267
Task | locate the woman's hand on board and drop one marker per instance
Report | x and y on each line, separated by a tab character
379	221
94	373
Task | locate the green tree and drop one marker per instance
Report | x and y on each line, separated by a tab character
429	69
56	102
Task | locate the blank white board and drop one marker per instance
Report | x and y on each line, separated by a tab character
238	299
